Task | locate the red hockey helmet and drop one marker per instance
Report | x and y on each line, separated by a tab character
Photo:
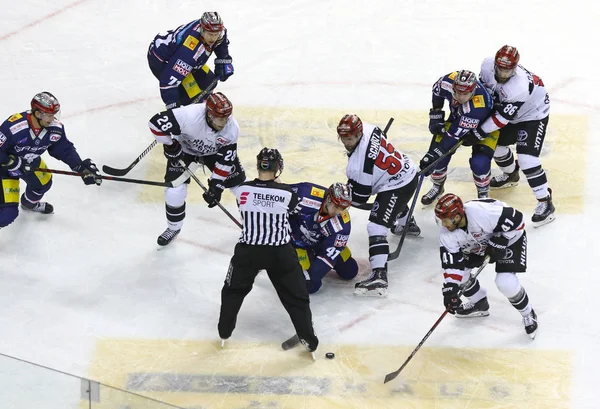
465	81
211	22
340	194
350	125
218	105
507	58
449	206
46	103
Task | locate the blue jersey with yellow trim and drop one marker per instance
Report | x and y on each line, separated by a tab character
18	137
463	117
182	51
327	236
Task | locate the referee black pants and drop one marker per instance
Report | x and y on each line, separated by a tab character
281	263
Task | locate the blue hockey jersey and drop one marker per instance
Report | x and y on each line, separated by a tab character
463	117
19	138
326	236
182	51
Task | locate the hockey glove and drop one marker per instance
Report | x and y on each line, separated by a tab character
496	248
17	166
89	172
474	260
213	195
224	68
435	152
436	121
475	136
173	152
451	298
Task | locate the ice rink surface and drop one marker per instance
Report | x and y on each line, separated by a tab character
86	291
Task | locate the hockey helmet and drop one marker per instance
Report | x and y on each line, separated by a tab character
340	194
449	206
350	125
211	22
464	85
218	105
269	160
505	63
46	103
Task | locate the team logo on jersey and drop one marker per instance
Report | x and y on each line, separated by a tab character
15	117
341	240
182	67
221	140
2	139
478	101
346	216
18	127
54	137
315	191
244	198
521	135
191	42
468	123
453	75
266	200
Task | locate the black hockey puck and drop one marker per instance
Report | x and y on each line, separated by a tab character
329	355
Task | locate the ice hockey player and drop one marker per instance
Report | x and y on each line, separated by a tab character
24	137
320	232
522	111
265	243
470	232
178	59
469	103
199	134
375	167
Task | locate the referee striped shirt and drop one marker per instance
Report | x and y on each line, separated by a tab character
265	207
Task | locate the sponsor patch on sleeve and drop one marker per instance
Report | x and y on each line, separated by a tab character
478	101
55	136
15	117
191	43
468	123
18	127
346	216
453	75
341	240
306	202
182	67
315	191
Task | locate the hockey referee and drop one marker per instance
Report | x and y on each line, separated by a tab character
265	243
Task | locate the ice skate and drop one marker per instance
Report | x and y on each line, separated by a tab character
470	310
167	237
530	323
434	193
544	211
374	286
505	180
39	207
413	229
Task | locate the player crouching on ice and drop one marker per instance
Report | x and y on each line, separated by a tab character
24	137
320	232
470	232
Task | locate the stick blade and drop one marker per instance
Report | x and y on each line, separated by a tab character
114	172
290	343
391	376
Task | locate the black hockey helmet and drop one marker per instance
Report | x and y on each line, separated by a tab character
269	159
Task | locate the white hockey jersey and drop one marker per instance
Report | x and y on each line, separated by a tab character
187	124
376	166
485	218
522	98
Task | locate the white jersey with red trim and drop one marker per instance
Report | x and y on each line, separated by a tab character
376	166
485	218
522	98
187	124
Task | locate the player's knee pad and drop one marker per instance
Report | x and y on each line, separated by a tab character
528	162
374	229
480	163
8	214
175	196
508	284
347	269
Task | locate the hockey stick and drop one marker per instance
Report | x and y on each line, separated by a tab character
207	90
182	163
445	155
114	178
393	375
123	172
394	254
369	206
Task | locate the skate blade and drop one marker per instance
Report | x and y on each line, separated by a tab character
474	314
378	292
505	186
314	357
547	220
222	343
533	334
